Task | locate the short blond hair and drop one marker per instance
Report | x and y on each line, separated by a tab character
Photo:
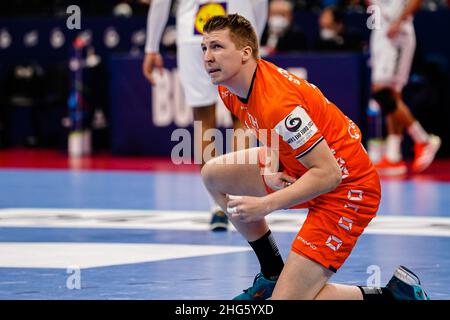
242	32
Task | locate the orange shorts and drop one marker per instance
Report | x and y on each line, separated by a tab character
336	220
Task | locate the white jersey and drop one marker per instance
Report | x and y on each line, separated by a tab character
191	15
390	11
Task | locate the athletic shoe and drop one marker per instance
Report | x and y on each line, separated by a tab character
405	285
388	168
261	289
219	221
424	153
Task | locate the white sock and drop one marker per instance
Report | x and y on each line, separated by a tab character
418	133
393	147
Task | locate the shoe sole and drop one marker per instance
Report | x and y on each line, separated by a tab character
407	276
219	227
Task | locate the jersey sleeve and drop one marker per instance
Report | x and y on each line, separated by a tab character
158	14
298	118
297	130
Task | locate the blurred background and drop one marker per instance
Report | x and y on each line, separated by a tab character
44	93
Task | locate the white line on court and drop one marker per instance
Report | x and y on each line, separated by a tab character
287	221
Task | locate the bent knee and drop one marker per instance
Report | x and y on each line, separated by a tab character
209	173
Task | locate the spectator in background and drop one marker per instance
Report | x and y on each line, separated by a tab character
333	35
392	49
356	6
281	34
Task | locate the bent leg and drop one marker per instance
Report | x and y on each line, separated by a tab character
304	279
207	116
301	279
236	173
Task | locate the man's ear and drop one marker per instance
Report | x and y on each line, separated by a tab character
246	53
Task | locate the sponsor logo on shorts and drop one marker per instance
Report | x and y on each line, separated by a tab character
309	244
356	195
334	243
351	206
345	223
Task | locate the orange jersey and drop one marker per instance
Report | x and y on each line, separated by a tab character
302	117
299	116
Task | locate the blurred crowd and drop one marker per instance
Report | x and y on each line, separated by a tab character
292	26
139	7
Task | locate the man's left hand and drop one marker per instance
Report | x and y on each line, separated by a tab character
248	209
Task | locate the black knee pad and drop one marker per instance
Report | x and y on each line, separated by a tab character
386	100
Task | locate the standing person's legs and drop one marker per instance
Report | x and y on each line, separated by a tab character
206	115
384	55
425	145
201	95
391	65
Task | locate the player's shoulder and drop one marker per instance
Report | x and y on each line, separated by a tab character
278	81
280	85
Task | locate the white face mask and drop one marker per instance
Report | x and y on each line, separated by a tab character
277	24
327	34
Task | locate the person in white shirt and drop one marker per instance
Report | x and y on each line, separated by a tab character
392	47
200	94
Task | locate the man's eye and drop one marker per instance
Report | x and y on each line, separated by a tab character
216	46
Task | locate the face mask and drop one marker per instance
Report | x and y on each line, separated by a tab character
327	34
277	24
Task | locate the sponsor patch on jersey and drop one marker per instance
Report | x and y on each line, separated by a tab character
296	128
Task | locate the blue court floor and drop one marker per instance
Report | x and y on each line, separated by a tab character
144	235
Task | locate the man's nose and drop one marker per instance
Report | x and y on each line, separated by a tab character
207	56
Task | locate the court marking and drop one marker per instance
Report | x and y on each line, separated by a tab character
91	255
199	220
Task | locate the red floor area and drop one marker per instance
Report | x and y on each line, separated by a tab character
54	159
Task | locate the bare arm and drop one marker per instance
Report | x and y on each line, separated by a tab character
323	176
410	9
158	14
261	11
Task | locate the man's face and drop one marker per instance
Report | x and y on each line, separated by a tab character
222	59
326	20
279	8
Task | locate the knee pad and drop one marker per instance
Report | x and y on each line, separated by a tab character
386	99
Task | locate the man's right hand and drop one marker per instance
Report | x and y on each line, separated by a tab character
151	61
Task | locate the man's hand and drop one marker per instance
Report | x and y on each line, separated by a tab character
394	29
151	61
278	180
248	209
